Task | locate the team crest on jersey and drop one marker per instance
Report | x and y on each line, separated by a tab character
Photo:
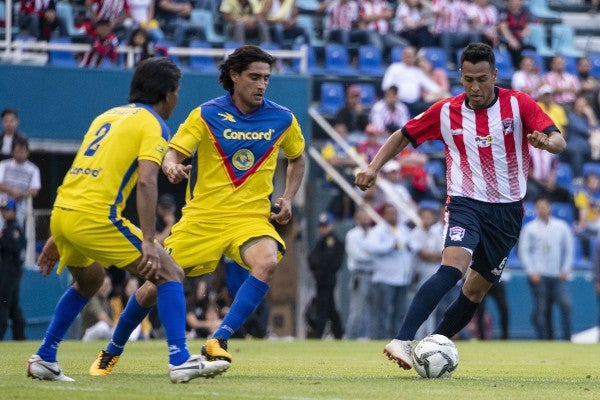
226	117
508	126
484	141
243	159
498	271
457	233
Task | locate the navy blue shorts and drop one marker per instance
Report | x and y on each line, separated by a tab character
489	230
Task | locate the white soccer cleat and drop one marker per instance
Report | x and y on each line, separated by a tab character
46	371
399	351
197	366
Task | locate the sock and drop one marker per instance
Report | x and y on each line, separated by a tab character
171	310
248	297
68	308
457	316
427	298
130	318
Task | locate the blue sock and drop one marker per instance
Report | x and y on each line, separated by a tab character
248	297
171	310
69	306
457	316
130	318
427	298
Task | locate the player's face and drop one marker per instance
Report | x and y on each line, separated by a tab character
478	80
249	86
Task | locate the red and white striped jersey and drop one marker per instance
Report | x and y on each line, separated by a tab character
367	8
487	156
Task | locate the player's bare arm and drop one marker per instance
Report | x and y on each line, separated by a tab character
146	197
173	168
395	144
295	173
553	143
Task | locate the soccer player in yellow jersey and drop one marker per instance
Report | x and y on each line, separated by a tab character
123	148
234	142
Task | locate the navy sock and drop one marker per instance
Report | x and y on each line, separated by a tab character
130	318
69	306
427	298
457	316
246	300
171	310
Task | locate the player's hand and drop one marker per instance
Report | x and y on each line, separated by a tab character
364	179
48	257
149	266
281	212
539	140
177	172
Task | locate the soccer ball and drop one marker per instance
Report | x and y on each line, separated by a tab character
435	356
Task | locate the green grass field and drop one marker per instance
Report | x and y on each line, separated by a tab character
305	370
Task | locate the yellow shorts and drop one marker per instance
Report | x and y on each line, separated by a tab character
198	246
83	238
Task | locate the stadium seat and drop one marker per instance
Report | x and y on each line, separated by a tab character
370	61
591	167
65	11
504	64
595	61
206	20
570	64
564	211
167	44
337	60
61	58
332	97
432	147
201	63
513	260
580	260
396	54
529	215
437	57
537	58
563	40
538	38
368	94
541	10
307	22
455	90
15	28
436	169
312	67
308	5
564	176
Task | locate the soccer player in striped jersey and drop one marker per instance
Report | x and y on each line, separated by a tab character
486	131
122	150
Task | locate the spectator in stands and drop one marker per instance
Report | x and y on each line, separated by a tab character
483	18
412	21
140	38
587	202
565	85
39	19
174	18
555	111
360	265
375	16
389	114
527	78
594	7
590	85
104	44
438	75
97	315
398	189
451	26
244	19
414	175
118	303
10	131
114	11
202	318
342	24
392	260
352	118
410	80
546	252
142	14
514	27
20	178
596	277
282	16
372	142
582	123
541	180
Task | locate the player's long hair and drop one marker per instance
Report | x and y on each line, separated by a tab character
239	60
153	79
478	52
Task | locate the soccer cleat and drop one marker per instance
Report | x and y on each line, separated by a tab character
216	349
103	364
45	371
399	351
195	367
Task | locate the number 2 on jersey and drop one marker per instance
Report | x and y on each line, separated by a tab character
95	145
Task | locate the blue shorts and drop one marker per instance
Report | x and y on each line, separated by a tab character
489	230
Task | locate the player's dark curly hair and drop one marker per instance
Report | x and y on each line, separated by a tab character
239	61
478	52
153	79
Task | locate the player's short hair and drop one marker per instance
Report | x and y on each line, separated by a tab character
478	52
239	60
153	78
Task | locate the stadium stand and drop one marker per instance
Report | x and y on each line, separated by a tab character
337	61
205	19
562	40
62	58
368	94
201	63
332	97
538	38
370	61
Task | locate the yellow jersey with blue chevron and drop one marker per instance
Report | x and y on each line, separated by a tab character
233	152
105	169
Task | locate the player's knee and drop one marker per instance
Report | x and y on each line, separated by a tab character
265	270
146	295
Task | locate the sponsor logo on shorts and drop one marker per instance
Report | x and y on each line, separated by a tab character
498	271
457	233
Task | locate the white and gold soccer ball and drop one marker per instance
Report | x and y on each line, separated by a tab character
435	356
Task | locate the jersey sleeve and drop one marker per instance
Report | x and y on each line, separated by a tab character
153	145
425	126
189	135
293	141
533	117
